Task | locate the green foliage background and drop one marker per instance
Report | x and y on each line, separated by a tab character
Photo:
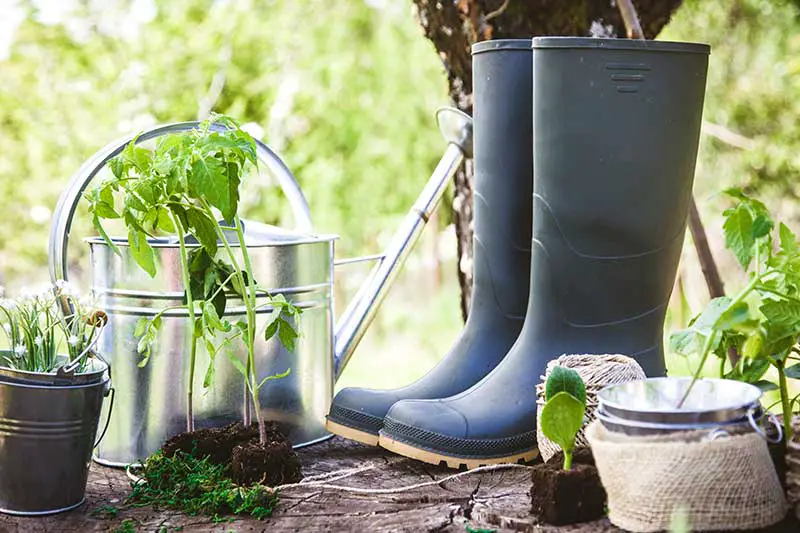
345	91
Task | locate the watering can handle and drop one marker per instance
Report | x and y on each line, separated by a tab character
68	201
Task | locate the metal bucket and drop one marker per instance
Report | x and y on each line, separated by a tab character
47	433
713	406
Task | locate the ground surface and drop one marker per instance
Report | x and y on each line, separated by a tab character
491	500
480	502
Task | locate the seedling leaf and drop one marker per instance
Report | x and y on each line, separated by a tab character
562	379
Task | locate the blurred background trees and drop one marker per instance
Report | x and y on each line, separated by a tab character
345	91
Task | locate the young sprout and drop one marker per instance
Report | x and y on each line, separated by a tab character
564	409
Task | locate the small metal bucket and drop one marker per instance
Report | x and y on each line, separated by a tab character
716	407
47	433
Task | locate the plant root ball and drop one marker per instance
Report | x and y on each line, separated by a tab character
273	463
561	497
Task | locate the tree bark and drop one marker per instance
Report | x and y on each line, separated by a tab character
455	25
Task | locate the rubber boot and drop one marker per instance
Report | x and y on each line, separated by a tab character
503	158
616	128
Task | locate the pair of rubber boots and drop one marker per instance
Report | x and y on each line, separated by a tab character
613	140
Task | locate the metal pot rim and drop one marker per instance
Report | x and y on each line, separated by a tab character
603	399
96	374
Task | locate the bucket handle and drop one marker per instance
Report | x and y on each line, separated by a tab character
760	430
68	201
111	391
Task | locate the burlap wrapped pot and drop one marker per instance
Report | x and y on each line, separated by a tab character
725	484
597	371
793	467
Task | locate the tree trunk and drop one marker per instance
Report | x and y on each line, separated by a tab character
454	25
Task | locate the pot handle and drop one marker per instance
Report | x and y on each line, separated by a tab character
111	391
68	201
760	430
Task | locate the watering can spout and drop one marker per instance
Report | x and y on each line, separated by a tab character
456	127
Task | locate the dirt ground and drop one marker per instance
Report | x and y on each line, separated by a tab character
496	500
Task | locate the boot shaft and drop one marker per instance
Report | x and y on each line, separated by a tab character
503	156
616	130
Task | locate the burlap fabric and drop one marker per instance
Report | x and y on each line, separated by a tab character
727	484
793	467
597	371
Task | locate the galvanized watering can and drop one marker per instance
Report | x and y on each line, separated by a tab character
151	402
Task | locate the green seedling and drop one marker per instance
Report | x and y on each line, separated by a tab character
761	324
183	187
564	409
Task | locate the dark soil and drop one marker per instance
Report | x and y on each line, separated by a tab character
561	497
272	463
215	443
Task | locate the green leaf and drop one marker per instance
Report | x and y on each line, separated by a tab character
737	318
765	386
204	229
788	240
287	334
211	318
685	342
142	252
708	319
561	419
99	227
793	371
782	313
141	326
237	364
104	210
753	345
562	379
762	225
738	228
164	222
209	180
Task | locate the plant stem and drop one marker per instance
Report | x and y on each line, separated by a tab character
567	460
251	331
786	405
249	298
190	307
709	340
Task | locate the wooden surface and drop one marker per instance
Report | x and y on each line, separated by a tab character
491	500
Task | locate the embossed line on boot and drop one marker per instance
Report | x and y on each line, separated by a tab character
632	80
582	255
621	320
525	248
509	315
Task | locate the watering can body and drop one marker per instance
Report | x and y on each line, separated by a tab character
151	402
299	264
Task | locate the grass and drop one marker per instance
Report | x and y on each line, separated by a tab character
196	486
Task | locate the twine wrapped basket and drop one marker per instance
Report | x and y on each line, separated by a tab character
597	371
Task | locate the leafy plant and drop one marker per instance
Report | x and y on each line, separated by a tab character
196	486
180	188
564	409
35	327
762	321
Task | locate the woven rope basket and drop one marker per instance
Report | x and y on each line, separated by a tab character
597	372
793	467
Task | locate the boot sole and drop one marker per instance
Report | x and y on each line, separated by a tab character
351	433
427	456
